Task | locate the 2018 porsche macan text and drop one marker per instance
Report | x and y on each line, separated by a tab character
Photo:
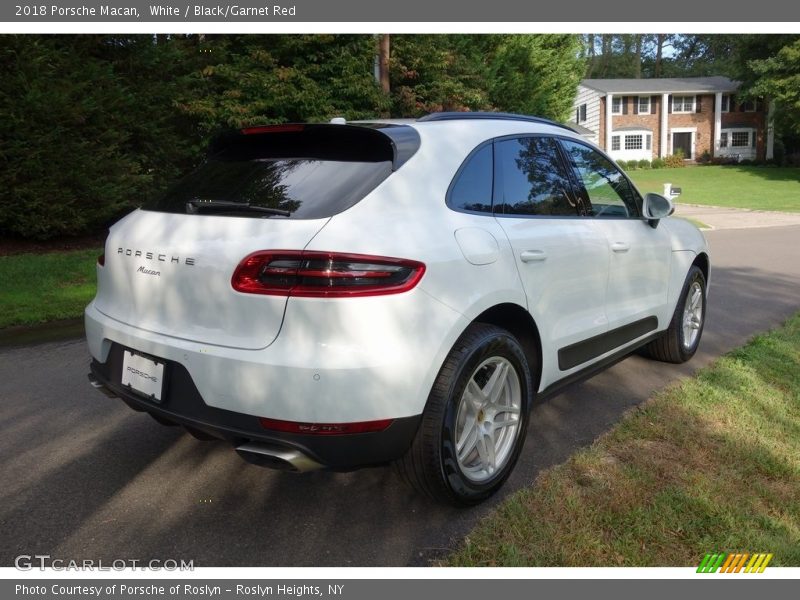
343	295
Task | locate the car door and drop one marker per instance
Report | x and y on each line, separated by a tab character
640	254
561	256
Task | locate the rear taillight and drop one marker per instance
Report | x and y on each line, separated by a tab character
101	260
324	274
325	428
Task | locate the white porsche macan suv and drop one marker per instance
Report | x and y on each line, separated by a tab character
345	295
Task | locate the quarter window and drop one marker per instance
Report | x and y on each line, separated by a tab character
723	139
604	186
531	179
472	188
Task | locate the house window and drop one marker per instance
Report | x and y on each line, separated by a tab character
748	106
648	141
616	105
614	142
683	104
740	139
580	114
726	103
723	139
644	105
633	142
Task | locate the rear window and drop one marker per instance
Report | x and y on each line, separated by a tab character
311	174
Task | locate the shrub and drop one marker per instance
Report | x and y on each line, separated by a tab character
657	163
623	164
675	160
644	164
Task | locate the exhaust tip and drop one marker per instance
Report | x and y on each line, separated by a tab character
282	459
100	386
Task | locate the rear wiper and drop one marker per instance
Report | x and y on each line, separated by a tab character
195	205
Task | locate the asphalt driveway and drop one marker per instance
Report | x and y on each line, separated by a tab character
84	477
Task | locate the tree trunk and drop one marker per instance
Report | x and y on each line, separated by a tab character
637	56
383	62
659	50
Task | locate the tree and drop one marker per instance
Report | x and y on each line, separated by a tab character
778	78
536	74
279	78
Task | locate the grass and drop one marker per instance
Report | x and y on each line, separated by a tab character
709	465
45	287
758	188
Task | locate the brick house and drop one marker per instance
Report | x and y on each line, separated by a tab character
655	117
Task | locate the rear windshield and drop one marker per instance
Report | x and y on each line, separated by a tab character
306	175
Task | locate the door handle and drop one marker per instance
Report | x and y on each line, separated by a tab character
620	246
533	256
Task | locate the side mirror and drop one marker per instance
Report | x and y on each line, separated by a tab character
657	207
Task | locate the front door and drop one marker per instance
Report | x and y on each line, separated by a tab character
682	141
639	254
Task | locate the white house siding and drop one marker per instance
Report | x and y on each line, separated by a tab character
591	98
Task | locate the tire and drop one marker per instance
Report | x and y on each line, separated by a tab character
460	396
680	341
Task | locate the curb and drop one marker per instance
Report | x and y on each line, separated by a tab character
31	335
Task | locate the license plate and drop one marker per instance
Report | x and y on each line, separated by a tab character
143	375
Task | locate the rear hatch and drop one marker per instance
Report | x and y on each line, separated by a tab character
168	266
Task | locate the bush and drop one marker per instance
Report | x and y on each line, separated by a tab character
643	164
675	160
623	164
657	163
704	158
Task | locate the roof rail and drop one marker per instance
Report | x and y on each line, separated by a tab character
453	116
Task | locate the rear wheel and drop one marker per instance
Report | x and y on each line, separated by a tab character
679	343
474	423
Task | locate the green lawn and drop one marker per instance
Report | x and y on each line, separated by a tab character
761	188
45	287
710	465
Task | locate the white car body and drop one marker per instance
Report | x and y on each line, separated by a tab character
360	359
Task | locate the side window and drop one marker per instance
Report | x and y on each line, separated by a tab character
530	178
472	188
603	185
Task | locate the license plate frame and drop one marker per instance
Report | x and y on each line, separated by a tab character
143	374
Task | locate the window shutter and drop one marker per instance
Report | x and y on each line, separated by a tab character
653	105
636	105
669	103
698	103
624	105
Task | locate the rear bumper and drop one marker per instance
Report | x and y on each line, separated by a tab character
183	404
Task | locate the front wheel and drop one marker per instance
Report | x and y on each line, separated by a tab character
679	343
474	423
